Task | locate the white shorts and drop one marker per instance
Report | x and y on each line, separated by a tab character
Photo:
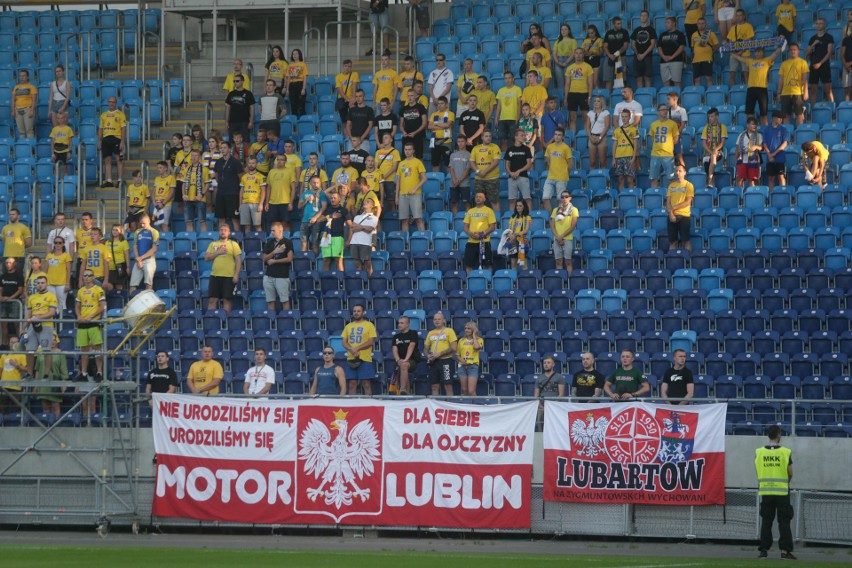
279	287
61	297
166	216
250	214
144	274
727	14
521	185
553	188
410	207
847	79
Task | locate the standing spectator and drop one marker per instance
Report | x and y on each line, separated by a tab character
413	123
467	354
98	260
146	242
679	199
534	30
277	260
440	82
282	189
313	203
592	47
597	125
678	114
543	74
38	324
227	176
119	254
162	379
549	384
672	49
112	131
713	139
793	85
259	151
359	336
198	140
485	159
370	183
329	378
479	223
379	20
407	77
194	185
180	163
60	95
227	259
465	85
276	70
552	119
441	345
579	84
17	238
297	82
630	104
626	382
386	121
535	45
59	268
61	137
357	155
518	161
312	170
846	61
89	308
740	31
534	95
345	84
704	45
260	378
459	169
360	119
486	100
563	54
518	236
644	42
775	140
757	94
272	108
560	162
748	147
563	222
252	195
335	218
421	14
588	382
228	86
471	122
239	110
345	175
785	14
625	150
24	101
616	41
678	382
664	135
819	51
508	109
410	177
137	199
32	276
406	352
11	297
83	240
57	371
695	10
61	231
725	12
528	124
387	161
163	196
815	159
205	375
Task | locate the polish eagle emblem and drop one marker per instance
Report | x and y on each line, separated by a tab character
340	463
589	435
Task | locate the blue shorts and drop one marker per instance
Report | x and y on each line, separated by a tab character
366	371
195	211
661	167
468	371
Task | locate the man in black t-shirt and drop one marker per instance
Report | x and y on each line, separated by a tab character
239	110
406	352
11	288
386	123
518	161
820	48
331	243
677	382
413	123
357	155
277	258
589	382
228	172
672	49
472	122
846	65
644	41
360	120
616	40
161	379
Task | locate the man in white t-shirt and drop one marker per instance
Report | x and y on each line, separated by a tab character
261	377
440	82
63	232
630	104
361	236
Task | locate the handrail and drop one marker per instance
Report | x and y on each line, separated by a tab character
339	47
100	212
37	207
166	148
145	168
167	95
82	184
382	46
59	186
125	108
160	54
269	51
122	202
250	72
208	118
306	37
187	82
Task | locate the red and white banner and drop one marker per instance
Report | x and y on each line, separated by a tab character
344	461
639	453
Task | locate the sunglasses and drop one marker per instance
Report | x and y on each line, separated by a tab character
88	275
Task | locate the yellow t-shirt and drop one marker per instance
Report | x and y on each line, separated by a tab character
786	15
182	162
258	150
483	156
225	264
90	300
478	219
112	122
678	193
466	78
357	334
694	10
57	268
14	237
509	97
485	100
192	177
202	373
791	74
534	96
373	178
447	117
347	83
163	187
663	134
344	176
137	195
229	82
385	81
579	74
626	141
593	48
30	285
703	53
119	251
385	160
252	185
559	155
97	259
23	93
740	32
562	225
280	184
543	73
714	133
819	150
11	373
61	136
40	304
306	175
361	197
466	353
406	81
83	237
409	174
278	70
298	71
758	72
439	340
545	56
294	162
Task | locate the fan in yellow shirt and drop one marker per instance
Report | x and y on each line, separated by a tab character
386	83
137	200
252	194
534	95
679	208
205	375
60	139
467	354
441	344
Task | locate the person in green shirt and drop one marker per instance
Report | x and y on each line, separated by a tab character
628	382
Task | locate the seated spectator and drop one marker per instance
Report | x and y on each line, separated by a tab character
815	159
205	375
329	378
626	382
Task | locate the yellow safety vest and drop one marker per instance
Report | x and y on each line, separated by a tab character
771	465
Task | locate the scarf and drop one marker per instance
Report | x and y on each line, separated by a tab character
195	179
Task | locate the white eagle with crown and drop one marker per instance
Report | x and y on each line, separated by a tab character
590	437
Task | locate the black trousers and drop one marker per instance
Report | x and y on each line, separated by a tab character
770	505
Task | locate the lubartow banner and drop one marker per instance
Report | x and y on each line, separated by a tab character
344	461
634	453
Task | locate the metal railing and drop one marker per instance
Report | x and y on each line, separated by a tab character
125	108
249	73
141	43
82	173
305	40
377	54
36	193
166	149
340	23
208	118
100	213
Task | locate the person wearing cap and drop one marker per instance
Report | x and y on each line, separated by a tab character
757	93
563	222
713	139
776	138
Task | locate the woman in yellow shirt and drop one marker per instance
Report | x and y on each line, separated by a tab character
467	354
277	70
519	225
59	271
593	48
119	250
34	273
563	54
298	81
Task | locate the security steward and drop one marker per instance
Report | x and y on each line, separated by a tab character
774	466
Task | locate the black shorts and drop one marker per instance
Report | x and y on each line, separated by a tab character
821	75
227	206
179	191
277	212
389	190
442	371
594	61
776	169
792	104
578	101
757	97
459	194
221	287
679	229
472	256
643	67
702	69
111	146
61	158
440	155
